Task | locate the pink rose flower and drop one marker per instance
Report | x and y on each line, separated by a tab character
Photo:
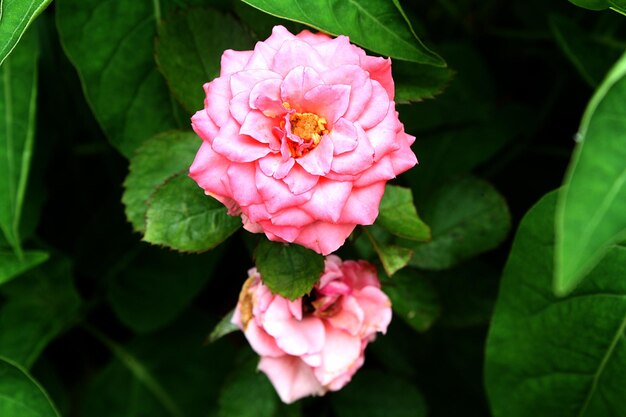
314	344
300	136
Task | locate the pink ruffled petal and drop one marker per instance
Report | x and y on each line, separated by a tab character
362	206
273	165
377	309
241	180
265	96
349	318
324	238
382	170
377	107
247	79
209	171
340	352
276	194
204	126
383	135
360	87
285	234
299	181
259	127
279	35
292	217
380	70
328	200
294	53
296	83
344	136
404	158
312	38
319	160
233	61
236	147
261	342
360	274
337	52
328	101
261	58
218	96
292	378
239	107
357	160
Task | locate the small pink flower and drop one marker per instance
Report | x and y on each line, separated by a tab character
300	136
315	343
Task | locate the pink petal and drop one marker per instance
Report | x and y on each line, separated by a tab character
382	170
356	161
337	52
241	178
233	61
217	97
291	377
349	318
259	127
377	108
377	309
328	200
383	135
340	352
312	38
276	194
204	126
247	79
265	96
256	213
261	342
319	160
344	136
296	83
262	57
360	274
276	233
273	166
380	70
279	35
236	147
239	107
292	217
404	158
299	181
293	53
360	87
324	238
362	206
328	101
209	171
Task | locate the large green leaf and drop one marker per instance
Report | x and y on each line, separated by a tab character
377	25
111	45
38	306
155	285
189	47
376	394
11	266
167	374
15	17
21	395
393	257
398	215
160	158
18	100
288	270
617	5
180	216
550	356
415	82
467	217
592	204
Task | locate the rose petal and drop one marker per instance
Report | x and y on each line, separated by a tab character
204	126
377	107
337	52
344	136
261	58
299	181
292	217
362	206
328	200
341	350
276	194
328	101
261	342
312	38
324	237
293	53
209	171
357	160
297	82
380	70
382	170
247	79
236	147
376	308
292	378
350	316
360	87
259	127
233	61
218	96
319	160
241	179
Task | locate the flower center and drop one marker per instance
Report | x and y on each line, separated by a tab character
245	302
307	126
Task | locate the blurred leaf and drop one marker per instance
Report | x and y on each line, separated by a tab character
398	215
153	288
376	394
224	327
288	270
160	158
248	393
15	17
376	25
591	57
111	45
414	298
11	266
18	89
262	23
166	374
467	217
549	356
416	82
617	5
39	306
182	217
21	395
590	213
391	256
189	47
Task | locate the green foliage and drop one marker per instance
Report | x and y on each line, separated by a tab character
419	82
551	356
617	5
11	266
224	327
18	90
398	215
187	68
111	46
590	215
15	17
377	25
38	307
392	257
21	395
467	217
288	270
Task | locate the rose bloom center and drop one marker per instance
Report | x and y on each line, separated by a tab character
307	126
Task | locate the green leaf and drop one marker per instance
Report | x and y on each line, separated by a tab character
21	395
617	5
11	266
40	305
377	25
111	45
189	47
467	217
248	393
18	103
590	213
288	270
391	256
160	158
549	356
376	394
416	82
183	218
154	286
398	215
590	55
224	327
15	17
414	298
167	374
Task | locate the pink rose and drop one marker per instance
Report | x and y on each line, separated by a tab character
315	343
300	136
